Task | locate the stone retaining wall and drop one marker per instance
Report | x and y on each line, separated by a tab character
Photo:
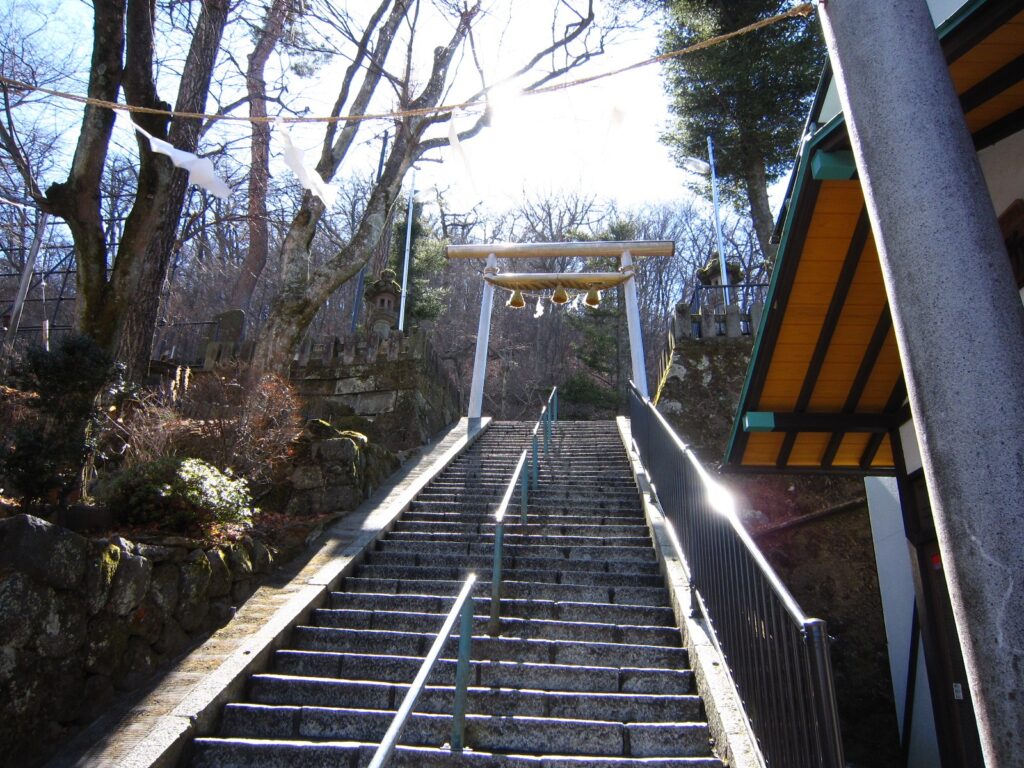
83	619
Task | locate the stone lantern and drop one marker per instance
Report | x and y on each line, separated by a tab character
710	275
382	299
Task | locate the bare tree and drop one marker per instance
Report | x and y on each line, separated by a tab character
305	289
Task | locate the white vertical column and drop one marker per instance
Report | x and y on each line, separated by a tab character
636	339
483	333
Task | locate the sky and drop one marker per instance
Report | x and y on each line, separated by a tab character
599	139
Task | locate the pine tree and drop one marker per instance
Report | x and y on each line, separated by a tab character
749	94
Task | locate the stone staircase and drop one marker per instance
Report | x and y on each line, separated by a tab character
587	669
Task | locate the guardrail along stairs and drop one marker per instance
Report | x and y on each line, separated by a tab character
587	669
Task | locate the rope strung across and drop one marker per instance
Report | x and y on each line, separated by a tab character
803	10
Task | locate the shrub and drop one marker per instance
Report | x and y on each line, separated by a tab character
43	448
178	495
229	417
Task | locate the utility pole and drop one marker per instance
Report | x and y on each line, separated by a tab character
23	286
722	263
408	255
940	248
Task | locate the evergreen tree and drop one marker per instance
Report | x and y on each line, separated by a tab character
749	94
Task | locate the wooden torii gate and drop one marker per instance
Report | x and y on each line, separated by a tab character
624	251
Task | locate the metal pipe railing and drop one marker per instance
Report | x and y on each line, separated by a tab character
545	426
463	608
777	656
499	538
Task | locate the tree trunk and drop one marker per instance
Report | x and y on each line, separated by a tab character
77	200
259	174
756	183
152	226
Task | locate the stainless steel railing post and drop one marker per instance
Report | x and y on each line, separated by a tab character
462	676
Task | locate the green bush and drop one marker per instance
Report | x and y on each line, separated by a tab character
42	451
178	495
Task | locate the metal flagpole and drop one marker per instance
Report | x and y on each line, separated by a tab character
408	256
722	264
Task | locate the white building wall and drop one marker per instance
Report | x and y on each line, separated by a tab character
896	585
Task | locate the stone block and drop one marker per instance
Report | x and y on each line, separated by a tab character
63	628
351	385
137	666
370	403
99	576
240	561
307	477
732	321
173	639
163	588
193	588
337	451
46	552
105	643
220	573
130	585
262	557
147	621
24	605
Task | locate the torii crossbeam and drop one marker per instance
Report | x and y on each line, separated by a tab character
624	251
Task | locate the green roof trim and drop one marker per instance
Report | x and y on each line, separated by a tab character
803	178
833	166
758	421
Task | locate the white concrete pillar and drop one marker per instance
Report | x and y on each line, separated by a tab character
483	334
636	339
960	328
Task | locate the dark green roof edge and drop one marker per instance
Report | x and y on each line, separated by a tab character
790	206
802	174
962	13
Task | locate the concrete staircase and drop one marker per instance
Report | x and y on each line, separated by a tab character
587	670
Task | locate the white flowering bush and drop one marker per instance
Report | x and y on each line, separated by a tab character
186	495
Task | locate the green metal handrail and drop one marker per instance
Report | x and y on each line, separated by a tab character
463	608
545	424
499	537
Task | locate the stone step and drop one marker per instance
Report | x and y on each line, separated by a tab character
509	626
481	509
581	593
482	563
491	674
591	497
245	753
554	553
544	577
516	538
523	734
512	527
434	513
537	650
534	609
290	690
585	667
496	485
